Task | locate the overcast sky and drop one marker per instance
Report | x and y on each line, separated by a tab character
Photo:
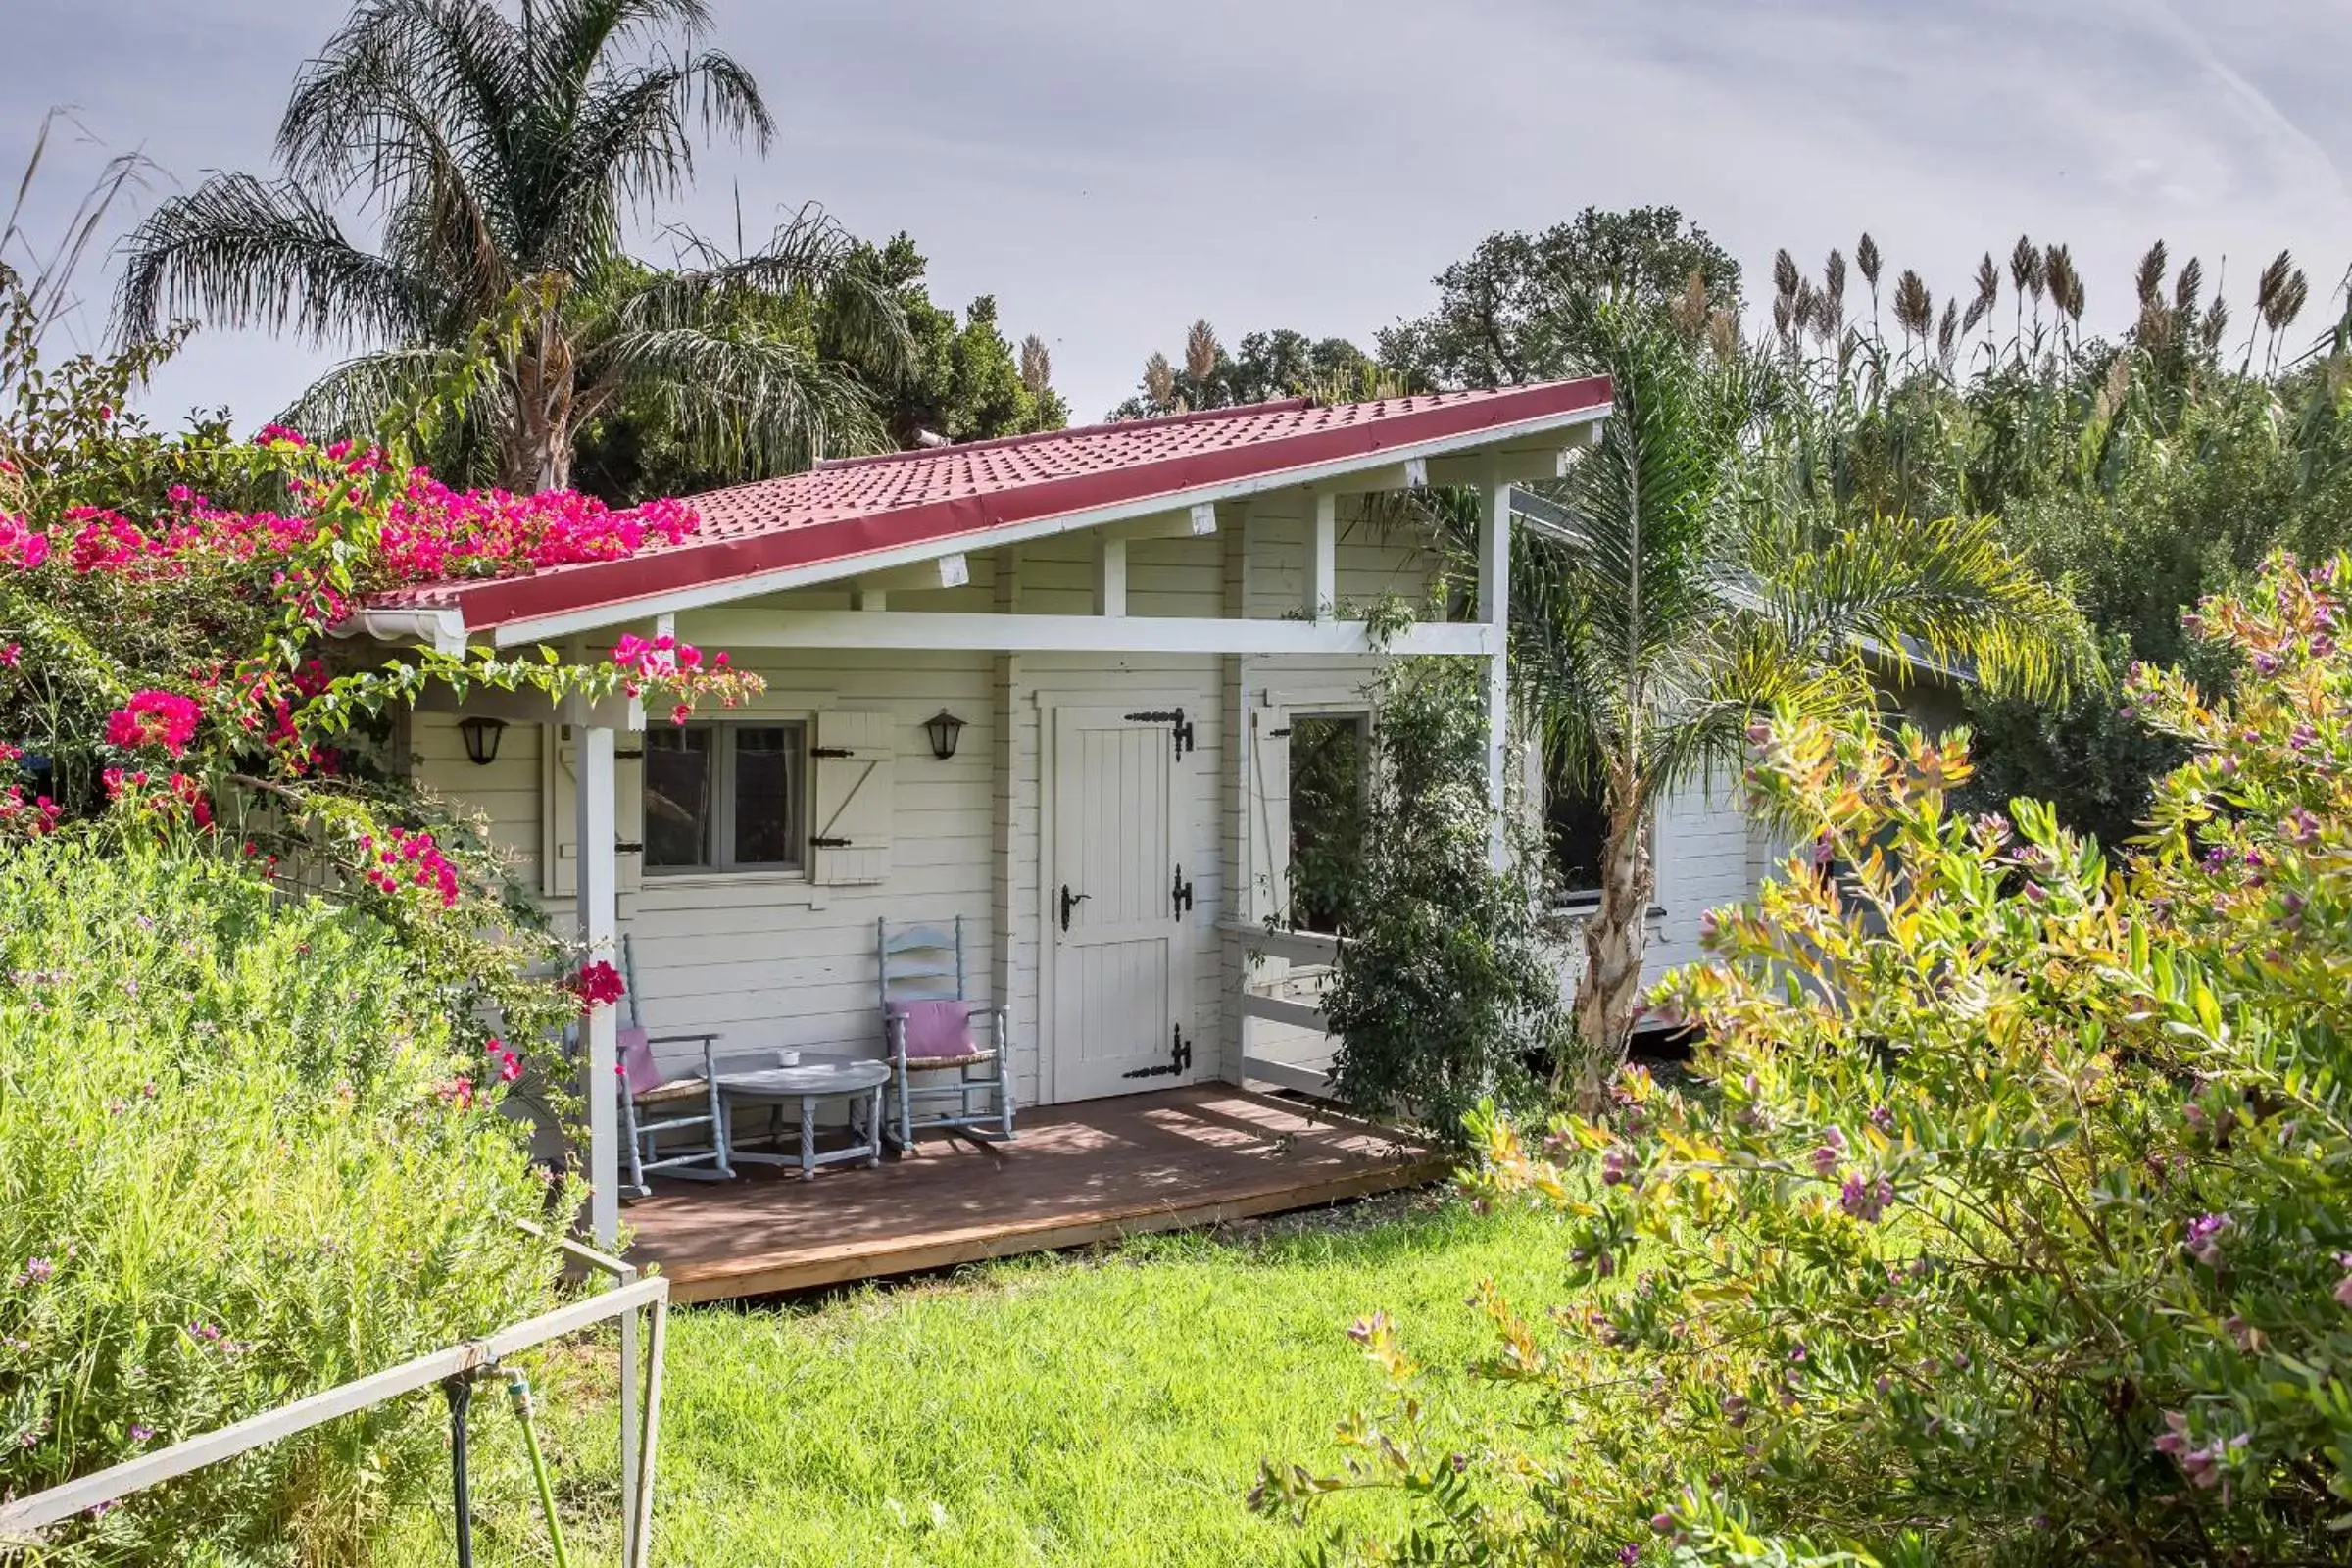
1110	170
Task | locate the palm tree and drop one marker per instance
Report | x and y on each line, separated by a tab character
1676	605
502	161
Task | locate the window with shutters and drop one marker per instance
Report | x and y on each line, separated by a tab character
724	798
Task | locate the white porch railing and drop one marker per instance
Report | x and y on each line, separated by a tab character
1284	1039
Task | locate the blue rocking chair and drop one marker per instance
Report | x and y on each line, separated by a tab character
932	1028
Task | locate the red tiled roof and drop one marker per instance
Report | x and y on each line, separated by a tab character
854	506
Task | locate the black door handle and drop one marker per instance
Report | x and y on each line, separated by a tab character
1070	901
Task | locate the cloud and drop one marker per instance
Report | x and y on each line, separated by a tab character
1110	170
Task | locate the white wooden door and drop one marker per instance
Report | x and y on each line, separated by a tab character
1122	975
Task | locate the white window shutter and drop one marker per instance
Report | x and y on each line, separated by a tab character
628	812
559	812
851	773
1270	806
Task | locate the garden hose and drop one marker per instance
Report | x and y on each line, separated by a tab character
518	1389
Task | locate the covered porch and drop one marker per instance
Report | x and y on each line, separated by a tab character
1090	1172
1121	629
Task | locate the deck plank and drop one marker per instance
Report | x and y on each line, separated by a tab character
1077	1174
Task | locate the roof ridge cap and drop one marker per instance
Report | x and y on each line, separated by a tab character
994	443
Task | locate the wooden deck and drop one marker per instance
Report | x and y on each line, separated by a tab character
1076	1174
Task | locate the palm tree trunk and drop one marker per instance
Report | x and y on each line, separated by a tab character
1615	940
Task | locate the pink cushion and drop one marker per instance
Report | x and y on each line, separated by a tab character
637	1069
935	1029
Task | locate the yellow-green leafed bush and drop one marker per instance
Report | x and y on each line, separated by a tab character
2010	1221
235	1168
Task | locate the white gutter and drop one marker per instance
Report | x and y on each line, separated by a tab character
441	629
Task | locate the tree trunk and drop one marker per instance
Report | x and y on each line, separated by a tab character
1615	938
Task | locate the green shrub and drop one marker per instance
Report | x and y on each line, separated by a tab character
234	1169
2014	1221
1445	992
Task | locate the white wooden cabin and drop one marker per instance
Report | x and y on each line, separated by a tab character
1066	597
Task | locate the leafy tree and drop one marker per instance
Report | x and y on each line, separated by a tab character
966	382
1648	644
503	160
1446	988
2143	472
1508	313
1279	364
2008	1224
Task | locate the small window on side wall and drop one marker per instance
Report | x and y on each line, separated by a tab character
724	797
1576	822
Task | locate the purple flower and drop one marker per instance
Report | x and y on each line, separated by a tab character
1882	1118
1662	1523
2204	1240
2301	826
2302	737
1629	1555
2266	664
37	1271
1612	1166
1758	733
1866	1201
2036	892
1734	1409
2217	858
140	1431
1830	1151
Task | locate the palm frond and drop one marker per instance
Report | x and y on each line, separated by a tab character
742	402
249	254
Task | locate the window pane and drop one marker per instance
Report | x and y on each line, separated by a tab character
1327	814
767	758
1576	818
677	796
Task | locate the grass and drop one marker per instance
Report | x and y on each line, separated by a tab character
1103	1409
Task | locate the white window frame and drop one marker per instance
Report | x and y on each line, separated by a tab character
720	843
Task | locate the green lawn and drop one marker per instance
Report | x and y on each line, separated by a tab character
1103	1409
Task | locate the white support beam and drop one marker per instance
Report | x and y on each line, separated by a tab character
1412	473
1494	615
1197	522
1110	576
869	601
1322	576
1513	467
948	571
599	915
981	632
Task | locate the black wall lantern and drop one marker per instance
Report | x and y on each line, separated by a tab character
481	737
943	730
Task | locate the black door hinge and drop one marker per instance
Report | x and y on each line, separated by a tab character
1168	715
627	847
829	843
1180	896
1179	1062
830	753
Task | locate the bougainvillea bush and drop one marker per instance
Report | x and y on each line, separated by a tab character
232	1172
257	986
2011	1221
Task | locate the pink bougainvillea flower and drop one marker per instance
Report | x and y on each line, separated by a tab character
154	718
598	985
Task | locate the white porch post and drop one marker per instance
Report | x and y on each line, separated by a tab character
1495	610
1110	576
1323	558
598	913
